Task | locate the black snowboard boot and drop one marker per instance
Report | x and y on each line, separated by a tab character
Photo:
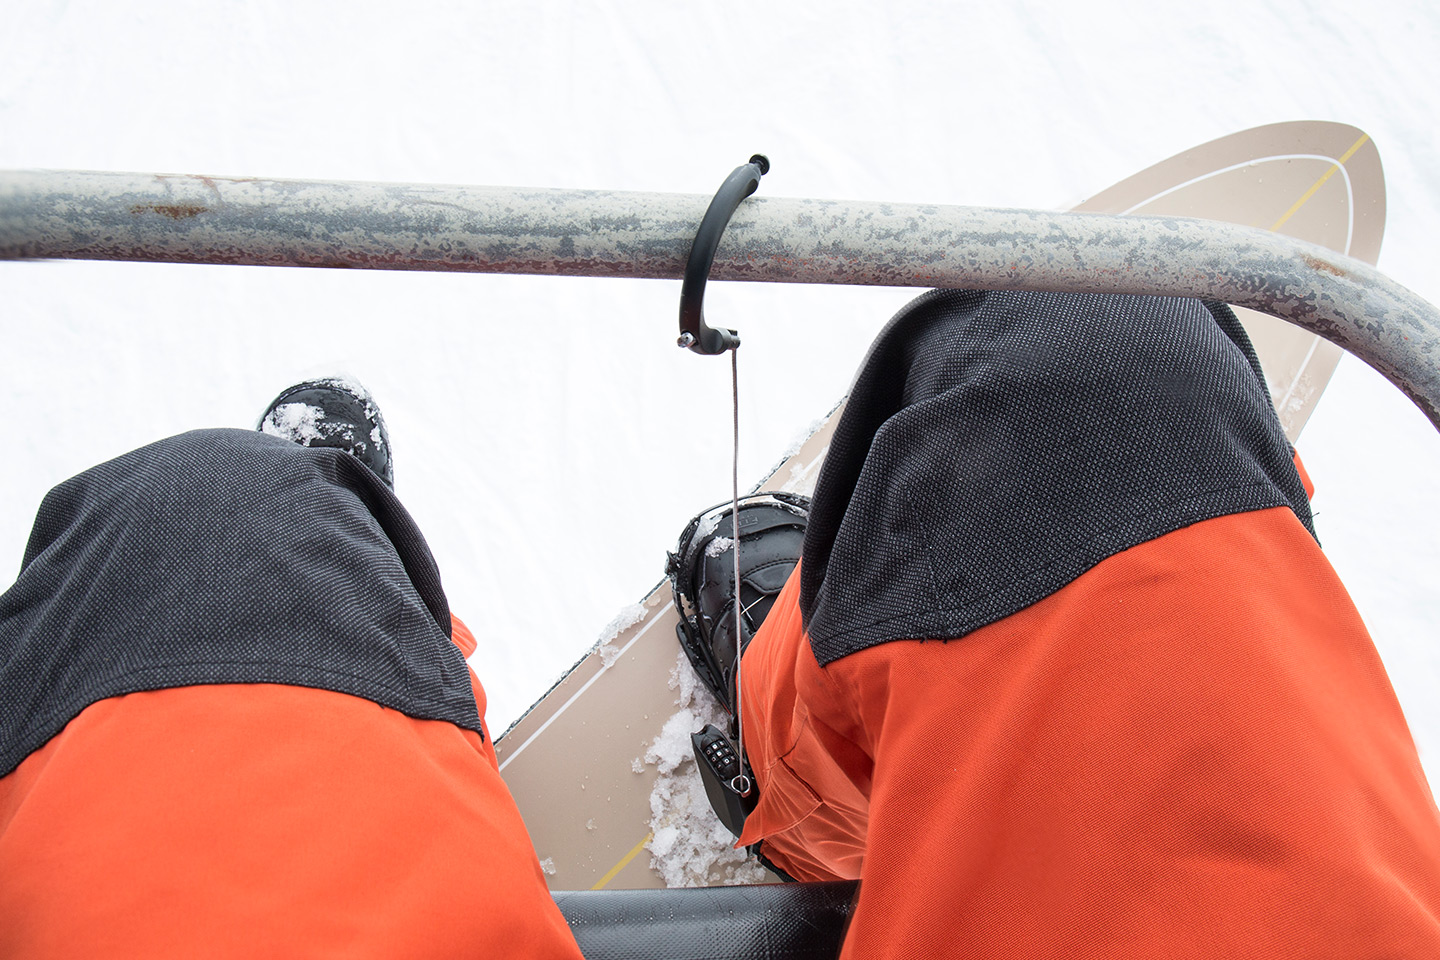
702	579
332	412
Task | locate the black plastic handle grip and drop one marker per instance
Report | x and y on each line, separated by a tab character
693	331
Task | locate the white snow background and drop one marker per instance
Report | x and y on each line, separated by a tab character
551	440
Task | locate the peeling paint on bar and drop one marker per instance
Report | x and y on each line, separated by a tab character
193	219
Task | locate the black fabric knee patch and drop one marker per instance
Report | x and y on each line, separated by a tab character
224	556
996	445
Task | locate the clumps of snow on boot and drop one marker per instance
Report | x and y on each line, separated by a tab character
336	412
690	847
296	422
346	382
707	526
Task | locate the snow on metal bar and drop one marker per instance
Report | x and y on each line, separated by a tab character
194	219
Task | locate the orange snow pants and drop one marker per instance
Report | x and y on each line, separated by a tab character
264	820
233	723
1191	750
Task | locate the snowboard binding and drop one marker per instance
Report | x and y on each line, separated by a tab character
703	583
702	580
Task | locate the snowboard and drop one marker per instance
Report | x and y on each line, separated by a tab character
601	768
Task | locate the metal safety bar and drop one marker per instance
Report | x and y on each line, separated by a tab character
195	219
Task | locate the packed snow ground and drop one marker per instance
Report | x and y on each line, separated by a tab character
549	437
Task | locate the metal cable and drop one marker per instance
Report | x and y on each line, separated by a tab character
741	783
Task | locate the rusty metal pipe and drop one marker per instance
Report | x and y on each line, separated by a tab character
193	219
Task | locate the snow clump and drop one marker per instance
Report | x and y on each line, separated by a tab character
798	440
623	621
296	422
626	618
707	525
690	847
